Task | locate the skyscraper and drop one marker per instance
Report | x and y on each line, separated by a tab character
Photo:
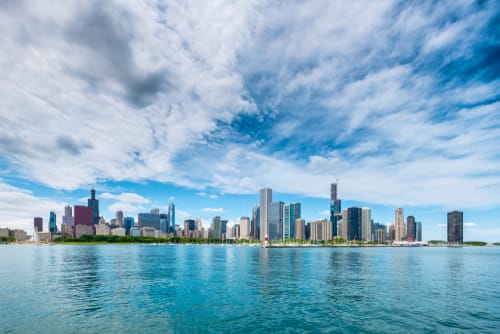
354	223
245	228
93	203
119	218
128	223
68	216
266	197
255	231
399	224
300	229
290	213
275	220
171	217
84	223
149	220
38	224
335	207
52	222
455	227
411	229
419	231
216	232
366	224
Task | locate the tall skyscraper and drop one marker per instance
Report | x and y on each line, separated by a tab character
335	207
419	231
38	224
68	216
128	223
216	231
266	197
411	229
255	232
354	223
119	218
300	229
455	227
93	203
366	224
399	224
52	222
245	228
275	220
171	217
290	213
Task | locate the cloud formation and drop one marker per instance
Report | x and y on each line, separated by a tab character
398	100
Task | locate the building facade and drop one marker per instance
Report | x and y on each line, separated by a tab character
290	213
455	227
335	208
52	222
245	228
38	224
266	198
275	220
300	229
399	226
93	203
366	224
411	229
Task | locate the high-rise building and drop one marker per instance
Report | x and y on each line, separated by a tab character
290	213
171	217
419	231
335	208
455	227
343	226
93	203
300	229
255	223
392	233
84	223
354	223
321	230
366	224
149	220
128	223
245	228
68	216
119	218
275	220
38	224
164	223
399	225
189	228
411	229
52	222
216	229
266	197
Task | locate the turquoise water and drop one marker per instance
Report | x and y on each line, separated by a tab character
189	289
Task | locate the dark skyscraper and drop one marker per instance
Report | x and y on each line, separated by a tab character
38	224
455	227
83	215
255	223
354	223
94	204
335	207
419	231
52	222
275	220
411	229
128	223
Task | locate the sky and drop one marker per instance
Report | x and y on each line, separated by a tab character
203	103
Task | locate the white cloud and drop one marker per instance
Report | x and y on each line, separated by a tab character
202	194
470	224
213	196
212	210
126	198
441	225
324	213
171	198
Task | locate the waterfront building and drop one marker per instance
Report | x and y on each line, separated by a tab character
399	227
354	224
149	220
38	224
219	227
275	220
189	228
379	232
321	230
148	231
308	231
300	229
266	198
344	231
366	224
4	232
411	229
43	236
171	217
419	231
245	228
52	222
81	229
67	230
128	223
255	232
290	213
93	203
135	232
119	218
18	235
119	231
335	208
455	227
164	223
235	231
102	229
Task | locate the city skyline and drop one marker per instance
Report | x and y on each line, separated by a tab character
205	104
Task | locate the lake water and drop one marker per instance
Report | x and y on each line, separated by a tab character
189	289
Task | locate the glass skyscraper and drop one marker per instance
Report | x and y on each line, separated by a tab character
290	213
93	203
455	227
52	222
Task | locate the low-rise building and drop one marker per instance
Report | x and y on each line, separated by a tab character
147	231
4	232
83	230
43	236
118	231
102	229
18	235
135	232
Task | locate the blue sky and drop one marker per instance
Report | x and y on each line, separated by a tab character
203	104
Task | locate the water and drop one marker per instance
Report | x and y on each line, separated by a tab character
162	289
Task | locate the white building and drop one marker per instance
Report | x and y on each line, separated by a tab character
245	228
118	231
366	224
